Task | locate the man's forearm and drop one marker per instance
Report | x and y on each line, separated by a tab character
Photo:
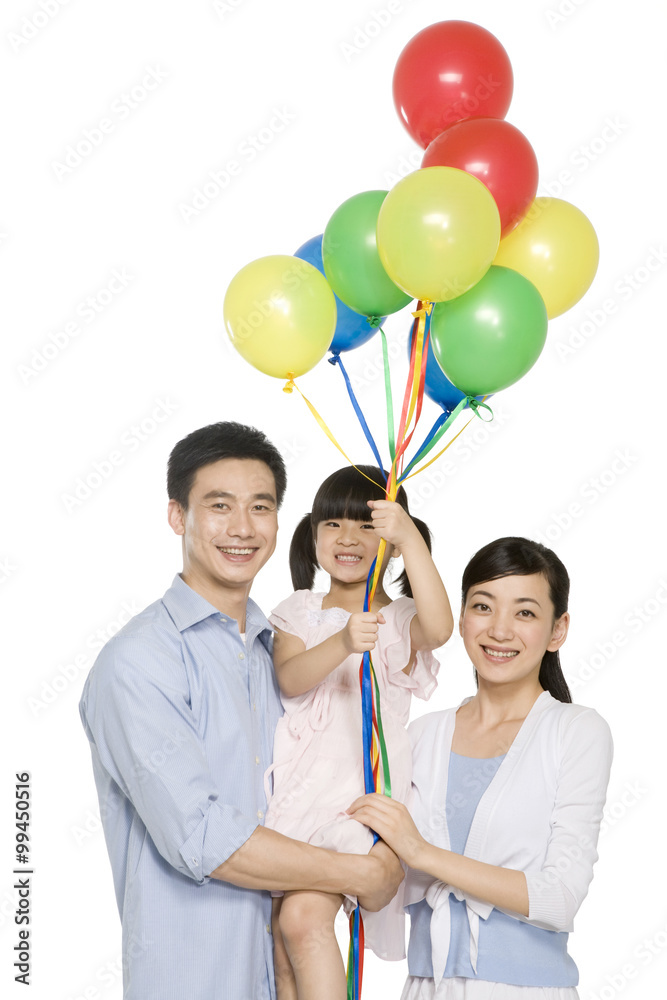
268	860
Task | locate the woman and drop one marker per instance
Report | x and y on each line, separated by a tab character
508	796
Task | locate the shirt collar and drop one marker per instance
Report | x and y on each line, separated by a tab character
186	607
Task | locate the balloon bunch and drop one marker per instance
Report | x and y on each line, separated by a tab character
465	235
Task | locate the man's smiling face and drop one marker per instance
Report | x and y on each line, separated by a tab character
230	525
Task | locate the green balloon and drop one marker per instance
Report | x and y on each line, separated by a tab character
351	260
490	336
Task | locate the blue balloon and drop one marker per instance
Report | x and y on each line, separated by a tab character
436	384
352	329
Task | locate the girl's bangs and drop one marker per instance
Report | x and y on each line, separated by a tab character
345	495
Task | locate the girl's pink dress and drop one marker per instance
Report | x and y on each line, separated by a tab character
317	758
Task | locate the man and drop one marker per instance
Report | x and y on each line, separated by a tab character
180	709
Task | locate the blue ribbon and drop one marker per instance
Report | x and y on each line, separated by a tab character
335	359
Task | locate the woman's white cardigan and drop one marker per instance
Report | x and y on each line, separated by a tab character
540	814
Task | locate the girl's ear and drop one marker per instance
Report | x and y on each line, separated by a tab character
559	634
461	620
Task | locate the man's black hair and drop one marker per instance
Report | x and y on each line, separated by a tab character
226	439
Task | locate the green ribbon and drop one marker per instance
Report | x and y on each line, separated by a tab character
476	405
383	746
391	435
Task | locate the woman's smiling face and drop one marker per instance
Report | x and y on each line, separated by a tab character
507	625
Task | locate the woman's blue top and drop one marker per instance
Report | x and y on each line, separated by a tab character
510	951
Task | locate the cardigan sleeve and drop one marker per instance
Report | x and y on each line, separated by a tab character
556	891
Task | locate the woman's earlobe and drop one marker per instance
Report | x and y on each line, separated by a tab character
559	633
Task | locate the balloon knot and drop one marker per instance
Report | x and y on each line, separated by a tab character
476	405
334	359
374	321
289	385
423	309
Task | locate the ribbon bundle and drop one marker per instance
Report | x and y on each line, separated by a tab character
375	758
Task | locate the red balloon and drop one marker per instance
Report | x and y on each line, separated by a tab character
450	71
499	155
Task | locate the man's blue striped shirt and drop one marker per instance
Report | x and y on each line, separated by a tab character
180	715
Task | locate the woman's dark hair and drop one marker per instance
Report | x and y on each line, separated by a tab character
343	495
521	557
226	439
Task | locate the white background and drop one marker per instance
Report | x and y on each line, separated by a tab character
581	429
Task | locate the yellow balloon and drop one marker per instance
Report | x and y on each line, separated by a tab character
280	315
438	232
556	248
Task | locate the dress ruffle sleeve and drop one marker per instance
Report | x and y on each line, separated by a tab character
396	649
291	615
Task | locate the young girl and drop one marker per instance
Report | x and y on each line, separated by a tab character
318	765
509	790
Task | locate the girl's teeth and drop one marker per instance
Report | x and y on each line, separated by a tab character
496	652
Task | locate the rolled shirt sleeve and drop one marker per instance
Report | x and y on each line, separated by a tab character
556	891
141	727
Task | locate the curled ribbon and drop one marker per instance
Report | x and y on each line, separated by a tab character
425	309
476	405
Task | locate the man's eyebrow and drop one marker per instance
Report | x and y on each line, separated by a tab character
223	494
519	600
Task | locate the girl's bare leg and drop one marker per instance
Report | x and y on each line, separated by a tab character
285	981
307	927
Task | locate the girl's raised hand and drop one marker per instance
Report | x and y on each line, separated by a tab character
361	631
393	523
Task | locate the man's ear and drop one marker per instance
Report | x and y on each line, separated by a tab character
176	517
559	636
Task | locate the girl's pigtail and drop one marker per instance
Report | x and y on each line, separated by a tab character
302	560
424	531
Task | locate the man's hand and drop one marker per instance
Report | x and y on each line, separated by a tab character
381	878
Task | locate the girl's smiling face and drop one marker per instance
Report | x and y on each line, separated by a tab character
507	625
345	549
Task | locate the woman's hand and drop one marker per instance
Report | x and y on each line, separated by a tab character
391	821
